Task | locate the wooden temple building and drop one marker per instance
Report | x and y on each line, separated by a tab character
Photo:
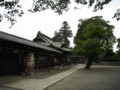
44	40
14	49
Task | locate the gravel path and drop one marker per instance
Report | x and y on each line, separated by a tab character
8	88
97	78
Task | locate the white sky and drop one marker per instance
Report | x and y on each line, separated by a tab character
48	22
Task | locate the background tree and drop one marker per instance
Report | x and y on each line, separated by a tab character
63	34
13	8
116	57
57	37
94	36
109	54
118	45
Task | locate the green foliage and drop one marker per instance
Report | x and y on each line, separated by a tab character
63	34
100	4
12	10
94	37
117	15
63	5
60	5
117	55
57	5
57	37
118	41
109	54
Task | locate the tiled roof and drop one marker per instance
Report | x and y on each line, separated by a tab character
48	41
43	37
66	49
57	44
16	39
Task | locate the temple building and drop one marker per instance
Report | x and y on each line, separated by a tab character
14	50
44	40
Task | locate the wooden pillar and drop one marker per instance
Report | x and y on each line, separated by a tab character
58	63
48	62
1	58
36	63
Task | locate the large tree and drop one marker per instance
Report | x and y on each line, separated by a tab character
63	34
13	8
94	37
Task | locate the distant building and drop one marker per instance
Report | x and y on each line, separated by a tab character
78	59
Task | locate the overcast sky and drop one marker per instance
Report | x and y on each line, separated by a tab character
48	22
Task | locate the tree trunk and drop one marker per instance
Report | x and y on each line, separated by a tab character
88	64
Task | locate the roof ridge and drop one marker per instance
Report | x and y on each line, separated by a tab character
46	38
45	35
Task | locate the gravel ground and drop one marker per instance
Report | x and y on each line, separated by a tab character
8	88
97	78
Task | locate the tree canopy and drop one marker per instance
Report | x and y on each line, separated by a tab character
63	34
13	8
116	57
94	37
